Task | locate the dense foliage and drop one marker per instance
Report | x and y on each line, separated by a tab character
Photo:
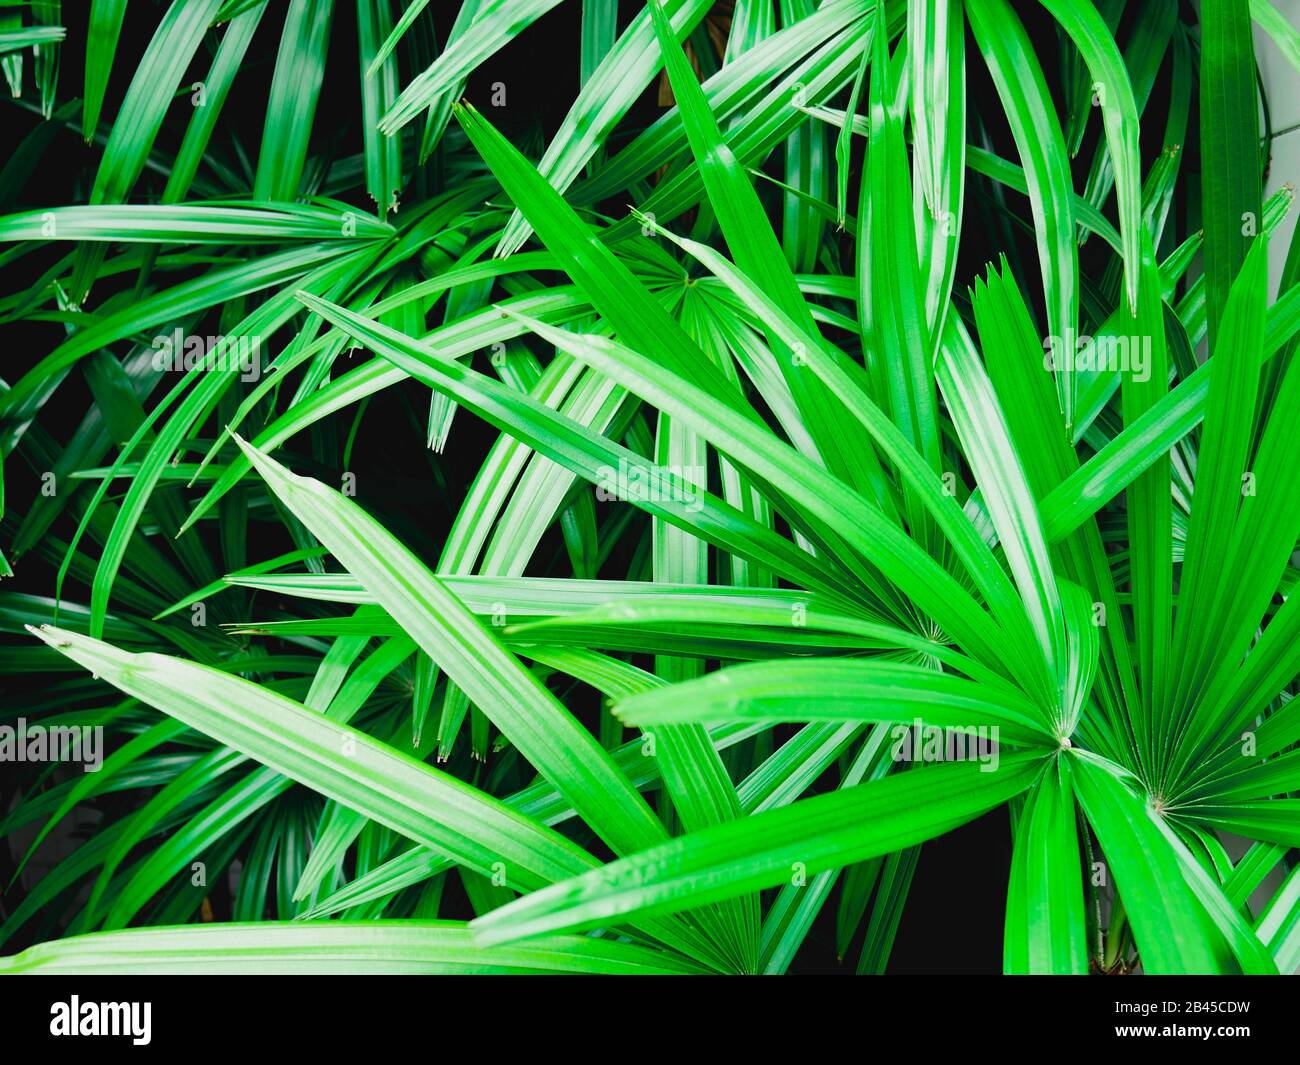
484	506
